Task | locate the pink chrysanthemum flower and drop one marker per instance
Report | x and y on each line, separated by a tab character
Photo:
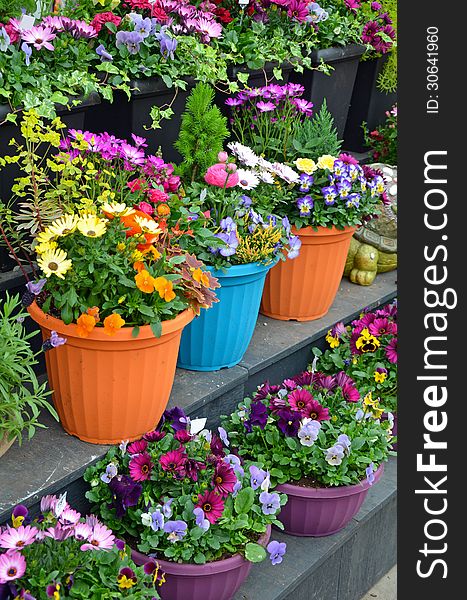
17	538
101	537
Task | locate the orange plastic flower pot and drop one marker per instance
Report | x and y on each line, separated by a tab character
304	288
111	388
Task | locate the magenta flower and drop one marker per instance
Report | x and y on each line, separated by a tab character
137	447
224	479
140	467
82	532
298	10
350	393
100	538
12	566
154	436
391	351
300	400
13	538
173	461
304	106
182	436
39	37
131	154
265	106
353	5
212	505
316	411
382	326
69	517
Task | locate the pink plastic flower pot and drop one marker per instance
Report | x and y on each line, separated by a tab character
317	512
217	580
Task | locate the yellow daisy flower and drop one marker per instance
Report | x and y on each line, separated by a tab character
63	225
148	225
44	246
326	162
92	226
45	236
118	209
307	165
54	262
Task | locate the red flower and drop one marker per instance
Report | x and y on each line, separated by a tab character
140	467
212	505
224	479
106	17
173	461
156	195
134	185
158	12
223	14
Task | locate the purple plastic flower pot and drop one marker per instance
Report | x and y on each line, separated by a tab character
217	580
317	512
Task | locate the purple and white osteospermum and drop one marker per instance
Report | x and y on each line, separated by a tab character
305	205
247	180
334	455
110	472
276	551
285	172
244	154
330	194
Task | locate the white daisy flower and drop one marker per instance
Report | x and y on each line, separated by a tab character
244	154
246	179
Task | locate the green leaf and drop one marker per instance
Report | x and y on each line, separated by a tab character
244	500
254	552
156	327
135	331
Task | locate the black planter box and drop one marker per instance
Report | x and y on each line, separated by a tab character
72	118
122	117
368	104
337	87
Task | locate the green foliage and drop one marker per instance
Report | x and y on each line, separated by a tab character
12	8
202	133
316	136
21	395
387	80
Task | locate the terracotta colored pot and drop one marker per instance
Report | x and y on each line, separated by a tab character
5	444
108	389
318	512
304	288
217	580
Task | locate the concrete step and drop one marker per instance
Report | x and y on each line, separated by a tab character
54	461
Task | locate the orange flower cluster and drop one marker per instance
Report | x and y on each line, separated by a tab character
148	284
87	321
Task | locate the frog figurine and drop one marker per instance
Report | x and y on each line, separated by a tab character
373	248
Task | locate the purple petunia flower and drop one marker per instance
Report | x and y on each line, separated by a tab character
276	551
270	502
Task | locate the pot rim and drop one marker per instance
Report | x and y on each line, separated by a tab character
241	270
340	491
211	568
323	231
123	335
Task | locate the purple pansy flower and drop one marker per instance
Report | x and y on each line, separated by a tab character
110	473
176	530
305	205
102	52
295	243
370	476
270	502
201	520
329	193
130	39
276	551
257	476
289	422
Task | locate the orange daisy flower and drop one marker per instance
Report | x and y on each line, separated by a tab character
145	282
85	324
113	323
165	288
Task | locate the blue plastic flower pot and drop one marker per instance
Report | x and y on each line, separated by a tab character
219	337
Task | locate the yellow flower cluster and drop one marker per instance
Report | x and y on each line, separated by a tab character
309	166
331	340
53	260
258	246
372	406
